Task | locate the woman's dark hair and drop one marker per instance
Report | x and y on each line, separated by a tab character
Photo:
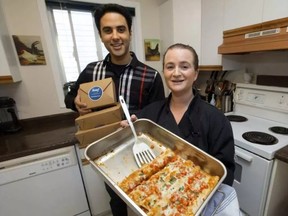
183	46
114	8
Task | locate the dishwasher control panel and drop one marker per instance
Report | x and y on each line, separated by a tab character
55	163
37	164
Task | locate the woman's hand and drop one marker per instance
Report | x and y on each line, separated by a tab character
125	123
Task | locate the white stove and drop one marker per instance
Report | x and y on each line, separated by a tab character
262	125
263	107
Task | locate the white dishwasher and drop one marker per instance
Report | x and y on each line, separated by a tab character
45	184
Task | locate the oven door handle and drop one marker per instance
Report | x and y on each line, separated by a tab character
244	156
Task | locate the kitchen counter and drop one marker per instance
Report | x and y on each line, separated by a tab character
282	154
38	135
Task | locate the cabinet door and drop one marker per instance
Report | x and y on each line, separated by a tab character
181	23
9	70
4	70
211	31
187	23
239	13
275	9
277	194
98	197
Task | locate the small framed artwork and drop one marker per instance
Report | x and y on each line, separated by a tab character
152	49
29	50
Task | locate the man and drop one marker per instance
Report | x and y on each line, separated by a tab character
139	84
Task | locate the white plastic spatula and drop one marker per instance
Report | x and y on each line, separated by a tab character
142	152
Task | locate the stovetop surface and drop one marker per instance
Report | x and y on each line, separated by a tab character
257	124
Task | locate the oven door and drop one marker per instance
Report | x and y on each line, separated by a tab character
252	176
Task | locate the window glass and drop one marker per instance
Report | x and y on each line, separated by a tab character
85	37
77	41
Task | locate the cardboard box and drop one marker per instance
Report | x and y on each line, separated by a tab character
99	93
100	118
86	137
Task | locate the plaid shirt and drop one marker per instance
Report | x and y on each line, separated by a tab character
139	84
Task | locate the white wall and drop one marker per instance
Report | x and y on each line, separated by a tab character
261	63
35	95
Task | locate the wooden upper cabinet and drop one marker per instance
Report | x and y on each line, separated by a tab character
264	36
253	26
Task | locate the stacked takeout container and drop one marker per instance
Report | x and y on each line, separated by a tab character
100	96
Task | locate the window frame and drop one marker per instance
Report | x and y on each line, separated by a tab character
77	58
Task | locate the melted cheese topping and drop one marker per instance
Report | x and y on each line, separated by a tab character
169	185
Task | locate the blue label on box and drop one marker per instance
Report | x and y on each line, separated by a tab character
95	93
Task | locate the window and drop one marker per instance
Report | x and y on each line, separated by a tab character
77	37
78	41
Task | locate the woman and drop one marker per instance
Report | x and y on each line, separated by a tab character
185	114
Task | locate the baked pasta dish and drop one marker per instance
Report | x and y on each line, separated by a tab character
169	186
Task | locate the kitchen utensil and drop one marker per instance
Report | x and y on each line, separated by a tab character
221	85
209	83
142	152
226	103
210	88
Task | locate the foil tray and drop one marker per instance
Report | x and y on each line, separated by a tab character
112	156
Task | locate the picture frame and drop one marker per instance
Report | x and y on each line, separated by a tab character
152	49
29	50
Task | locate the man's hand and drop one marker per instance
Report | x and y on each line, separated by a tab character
81	107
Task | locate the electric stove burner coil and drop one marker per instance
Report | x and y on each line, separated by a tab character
260	138
236	118
279	130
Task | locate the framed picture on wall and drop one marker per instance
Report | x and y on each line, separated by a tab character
152	49
29	50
